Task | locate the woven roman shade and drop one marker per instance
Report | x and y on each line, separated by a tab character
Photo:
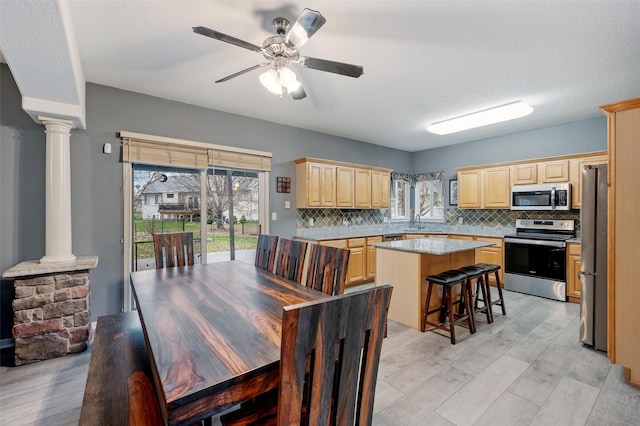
158	150
238	160
165	154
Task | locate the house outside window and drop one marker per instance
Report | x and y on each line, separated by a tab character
429	196
400	194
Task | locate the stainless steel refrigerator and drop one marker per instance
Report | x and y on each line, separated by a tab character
593	270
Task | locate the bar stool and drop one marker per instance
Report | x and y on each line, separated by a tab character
447	280
489	268
482	285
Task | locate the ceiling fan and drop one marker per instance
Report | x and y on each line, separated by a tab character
281	50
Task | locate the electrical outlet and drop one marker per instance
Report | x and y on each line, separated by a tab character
460	220
274	216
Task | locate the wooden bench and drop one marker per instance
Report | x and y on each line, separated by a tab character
119	389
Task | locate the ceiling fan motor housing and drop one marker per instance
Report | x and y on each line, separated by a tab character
277	46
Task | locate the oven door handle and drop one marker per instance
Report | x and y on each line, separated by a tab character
548	243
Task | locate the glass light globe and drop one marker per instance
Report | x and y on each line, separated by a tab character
270	80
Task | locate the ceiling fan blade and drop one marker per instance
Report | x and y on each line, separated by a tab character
242	72
226	38
331	66
298	94
305	26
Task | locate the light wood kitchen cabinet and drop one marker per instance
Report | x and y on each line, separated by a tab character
623	251
470	189
371	256
380	189
573	267
344	187
325	184
484	188
315	185
362	257
362	188
357	270
575	169
497	190
553	171
525	174
492	254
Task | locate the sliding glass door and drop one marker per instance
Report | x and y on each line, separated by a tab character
165	199
234	222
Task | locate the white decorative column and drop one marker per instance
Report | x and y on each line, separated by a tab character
58	191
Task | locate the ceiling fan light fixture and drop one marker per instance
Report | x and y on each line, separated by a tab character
271	81
288	77
276	80
485	117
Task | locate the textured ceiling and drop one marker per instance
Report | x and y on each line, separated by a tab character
424	61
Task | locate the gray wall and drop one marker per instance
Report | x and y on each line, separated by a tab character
97	178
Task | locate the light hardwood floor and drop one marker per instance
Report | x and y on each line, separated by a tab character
527	368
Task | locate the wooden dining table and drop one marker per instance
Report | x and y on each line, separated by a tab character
213	334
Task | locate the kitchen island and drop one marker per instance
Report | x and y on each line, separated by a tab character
404	264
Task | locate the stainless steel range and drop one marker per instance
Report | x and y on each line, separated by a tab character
535	257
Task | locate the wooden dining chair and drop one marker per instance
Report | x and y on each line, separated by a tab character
329	356
327	270
290	259
266	251
173	249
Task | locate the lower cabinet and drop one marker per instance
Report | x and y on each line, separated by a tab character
371	256
492	254
357	270
362	257
573	267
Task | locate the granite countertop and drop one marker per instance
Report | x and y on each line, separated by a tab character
438	246
339	232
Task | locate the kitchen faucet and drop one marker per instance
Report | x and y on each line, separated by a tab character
418	218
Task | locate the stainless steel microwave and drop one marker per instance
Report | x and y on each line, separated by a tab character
549	196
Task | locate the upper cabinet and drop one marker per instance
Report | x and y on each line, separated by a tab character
380	188
553	171
362	189
525	174
576	166
319	189
484	188
332	184
489	187
344	186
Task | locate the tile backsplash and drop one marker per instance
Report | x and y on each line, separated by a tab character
324	218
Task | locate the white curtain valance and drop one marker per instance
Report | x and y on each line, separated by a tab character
148	149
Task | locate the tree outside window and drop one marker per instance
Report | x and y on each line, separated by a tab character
400	193
429	196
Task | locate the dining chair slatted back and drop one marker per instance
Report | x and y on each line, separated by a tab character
173	249
266	251
329	357
339	339
327	270
290	259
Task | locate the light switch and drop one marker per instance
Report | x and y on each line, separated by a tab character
106	148
287	204
273	216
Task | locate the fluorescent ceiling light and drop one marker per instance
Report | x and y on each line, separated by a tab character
481	118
